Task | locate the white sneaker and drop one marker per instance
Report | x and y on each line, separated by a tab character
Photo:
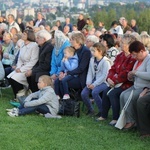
13	114
11	110
66	96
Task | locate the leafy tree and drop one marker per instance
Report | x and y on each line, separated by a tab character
28	18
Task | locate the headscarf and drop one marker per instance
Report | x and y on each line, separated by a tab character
60	39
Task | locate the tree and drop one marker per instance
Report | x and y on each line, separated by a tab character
28	18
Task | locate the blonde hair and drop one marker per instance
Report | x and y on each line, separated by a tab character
78	37
47	80
145	39
70	50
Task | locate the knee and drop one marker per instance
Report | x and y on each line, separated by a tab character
95	93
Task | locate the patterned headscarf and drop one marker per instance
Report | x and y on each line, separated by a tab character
60	39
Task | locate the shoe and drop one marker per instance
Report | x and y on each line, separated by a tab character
12	110
129	126
66	96
13	114
90	113
98	114
4	84
113	122
100	119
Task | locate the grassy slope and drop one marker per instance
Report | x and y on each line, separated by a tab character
34	132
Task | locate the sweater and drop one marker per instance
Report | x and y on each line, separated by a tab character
45	96
101	72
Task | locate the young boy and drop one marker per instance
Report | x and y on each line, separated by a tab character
43	101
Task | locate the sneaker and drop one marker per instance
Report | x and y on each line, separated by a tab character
12	110
113	122
4	84
100	119
13	114
66	96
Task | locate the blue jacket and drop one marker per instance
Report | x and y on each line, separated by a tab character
70	64
56	59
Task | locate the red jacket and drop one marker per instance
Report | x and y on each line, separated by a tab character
119	71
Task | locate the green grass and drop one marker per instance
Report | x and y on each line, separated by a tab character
32	132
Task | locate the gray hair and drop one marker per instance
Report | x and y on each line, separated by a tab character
44	34
93	38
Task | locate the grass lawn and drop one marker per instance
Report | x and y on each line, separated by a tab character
32	132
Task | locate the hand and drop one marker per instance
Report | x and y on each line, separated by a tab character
14	67
143	92
17	70
61	75
131	75
28	73
91	86
53	77
110	82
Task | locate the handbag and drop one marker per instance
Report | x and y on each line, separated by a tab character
122	118
69	107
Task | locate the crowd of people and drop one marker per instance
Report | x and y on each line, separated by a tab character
105	65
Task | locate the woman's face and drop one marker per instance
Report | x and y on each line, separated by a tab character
104	42
124	46
6	36
40	41
95	52
74	43
24	36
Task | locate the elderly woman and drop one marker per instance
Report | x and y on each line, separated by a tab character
42	67
91	40
141	77
117	80
8	50
61	42
28	57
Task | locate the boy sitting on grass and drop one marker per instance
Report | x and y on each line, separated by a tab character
43	101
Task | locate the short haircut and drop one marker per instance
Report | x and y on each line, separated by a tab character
109	40
12	16
44	34
30	35
70	49
100	47
136	47
78	37
93	38
47	80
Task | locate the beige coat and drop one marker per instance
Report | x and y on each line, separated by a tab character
27	59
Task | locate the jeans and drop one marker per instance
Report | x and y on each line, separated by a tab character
112	99
61	86
95	94
41	109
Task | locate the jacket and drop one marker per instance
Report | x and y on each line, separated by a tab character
45	96
56	59
84	56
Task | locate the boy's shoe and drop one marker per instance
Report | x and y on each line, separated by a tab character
13	114
66	96
12	110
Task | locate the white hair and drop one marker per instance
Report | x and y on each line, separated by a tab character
44	34
3	26
93	38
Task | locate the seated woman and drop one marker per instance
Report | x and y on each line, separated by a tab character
28	57
117	80
141	77
68	63
111	52
79	74
96	77
61	42
43	101
8	50
42	67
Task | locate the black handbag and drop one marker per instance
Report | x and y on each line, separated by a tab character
69	107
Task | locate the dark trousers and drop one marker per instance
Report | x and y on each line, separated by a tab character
8	70
62	86
112	99
15	86
41	109
142	114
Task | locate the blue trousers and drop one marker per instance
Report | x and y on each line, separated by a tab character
95	94
112	99
41	109
62	86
